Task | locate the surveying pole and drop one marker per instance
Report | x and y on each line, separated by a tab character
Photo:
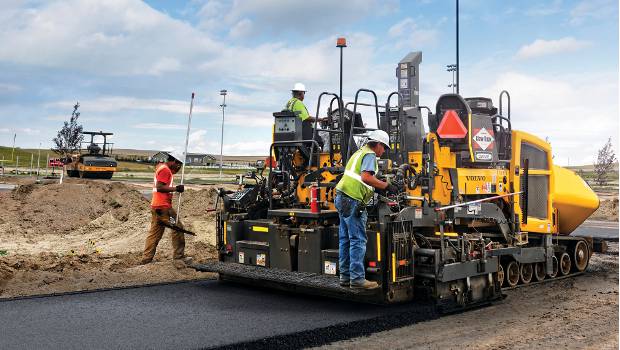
223	105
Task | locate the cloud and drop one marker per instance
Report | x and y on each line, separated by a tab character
593	10
242	28
105	37
577	112
542	47
275	17
410	33
545	9
9	88
121	103
27	131
160	126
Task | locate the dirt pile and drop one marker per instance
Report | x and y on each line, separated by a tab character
608	210
90	234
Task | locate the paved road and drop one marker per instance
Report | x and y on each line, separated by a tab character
177	316
598	229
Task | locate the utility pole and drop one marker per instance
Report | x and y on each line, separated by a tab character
39	161
223	105
452	68
458	67
13	150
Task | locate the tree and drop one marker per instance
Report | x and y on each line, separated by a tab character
70	136
604	163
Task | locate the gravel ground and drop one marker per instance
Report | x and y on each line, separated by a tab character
574	313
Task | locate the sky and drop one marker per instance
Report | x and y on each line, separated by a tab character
133	65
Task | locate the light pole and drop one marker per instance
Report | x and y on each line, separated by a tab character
341	43
452	68
223	105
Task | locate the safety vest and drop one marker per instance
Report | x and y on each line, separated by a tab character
351	183
161	199
296	106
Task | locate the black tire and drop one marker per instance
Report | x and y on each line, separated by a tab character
539	271
580	256
565	264
512	273
526	271
500	275
556	268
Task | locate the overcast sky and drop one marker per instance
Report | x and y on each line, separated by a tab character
133	65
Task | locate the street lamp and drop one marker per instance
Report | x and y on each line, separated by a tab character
223	105
452	68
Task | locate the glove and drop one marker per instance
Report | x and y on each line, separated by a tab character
180	188
391	188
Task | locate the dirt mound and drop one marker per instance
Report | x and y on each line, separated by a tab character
608	210
58	209
88	234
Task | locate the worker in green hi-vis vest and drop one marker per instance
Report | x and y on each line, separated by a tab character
297	106
353	192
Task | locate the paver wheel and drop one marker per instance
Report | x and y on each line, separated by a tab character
525	273
539	271
500	275
512	273
565	264
556	267
581	256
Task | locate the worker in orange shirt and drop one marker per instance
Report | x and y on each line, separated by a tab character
163	214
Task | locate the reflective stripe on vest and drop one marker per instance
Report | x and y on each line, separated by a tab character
290	106
351	183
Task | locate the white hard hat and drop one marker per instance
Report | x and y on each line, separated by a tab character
299	87
380	136
178	156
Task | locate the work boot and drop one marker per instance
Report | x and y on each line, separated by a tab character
364	284
146	261
344	283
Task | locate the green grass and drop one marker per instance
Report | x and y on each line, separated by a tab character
24	156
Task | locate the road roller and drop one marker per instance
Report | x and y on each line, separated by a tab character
93	161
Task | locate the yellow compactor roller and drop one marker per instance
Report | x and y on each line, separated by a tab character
93	161
481	206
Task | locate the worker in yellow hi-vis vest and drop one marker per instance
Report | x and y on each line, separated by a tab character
353	192
297	106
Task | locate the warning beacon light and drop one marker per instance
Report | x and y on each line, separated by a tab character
451	126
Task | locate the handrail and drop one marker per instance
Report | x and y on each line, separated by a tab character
354	114
500	102
316	119
400	113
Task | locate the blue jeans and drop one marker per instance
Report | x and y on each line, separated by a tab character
351	237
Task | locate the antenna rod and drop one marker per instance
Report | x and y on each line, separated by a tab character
458	66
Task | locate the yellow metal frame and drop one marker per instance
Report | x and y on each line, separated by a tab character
538	225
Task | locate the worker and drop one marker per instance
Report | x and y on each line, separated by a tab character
353	193
162	213
297	106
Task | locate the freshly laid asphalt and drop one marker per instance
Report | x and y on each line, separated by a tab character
203	314
187	315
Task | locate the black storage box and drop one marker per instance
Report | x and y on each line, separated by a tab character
252	253
329	262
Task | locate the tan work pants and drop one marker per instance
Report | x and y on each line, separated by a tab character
159	218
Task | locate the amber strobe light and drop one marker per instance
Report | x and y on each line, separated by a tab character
341	42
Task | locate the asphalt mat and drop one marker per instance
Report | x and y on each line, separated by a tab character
203	314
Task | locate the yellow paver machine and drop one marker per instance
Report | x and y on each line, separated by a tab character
481	206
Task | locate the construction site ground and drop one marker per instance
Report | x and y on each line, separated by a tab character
85	235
